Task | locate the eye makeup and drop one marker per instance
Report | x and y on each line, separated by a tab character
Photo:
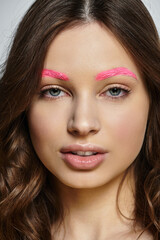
119	71
54	74
115	72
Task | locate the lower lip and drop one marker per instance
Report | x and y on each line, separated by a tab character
83	163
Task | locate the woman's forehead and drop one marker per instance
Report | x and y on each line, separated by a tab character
87	47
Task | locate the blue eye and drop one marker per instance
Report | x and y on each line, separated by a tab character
116	92
53	92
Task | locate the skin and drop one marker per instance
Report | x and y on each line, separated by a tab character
84	113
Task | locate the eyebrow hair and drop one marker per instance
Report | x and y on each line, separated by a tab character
54	74
115	72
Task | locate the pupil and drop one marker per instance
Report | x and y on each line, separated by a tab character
115	91
55	92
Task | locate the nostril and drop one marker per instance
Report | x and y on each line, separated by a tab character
75	132
82	132
83	124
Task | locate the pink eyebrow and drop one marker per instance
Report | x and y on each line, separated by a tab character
115	72
54	74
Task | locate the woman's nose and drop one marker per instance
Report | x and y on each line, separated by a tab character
84	119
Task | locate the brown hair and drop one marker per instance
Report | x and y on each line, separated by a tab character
28	205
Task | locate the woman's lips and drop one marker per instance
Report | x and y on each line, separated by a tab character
83	163
83	157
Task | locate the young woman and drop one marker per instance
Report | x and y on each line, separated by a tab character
80	124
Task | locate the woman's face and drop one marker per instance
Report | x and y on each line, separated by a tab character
87	125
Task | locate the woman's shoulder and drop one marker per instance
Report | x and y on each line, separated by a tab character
146	236
132	235
140	235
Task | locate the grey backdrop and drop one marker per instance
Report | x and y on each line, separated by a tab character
11	12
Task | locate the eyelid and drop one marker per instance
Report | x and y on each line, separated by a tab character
107	88
126	90
116	85
48	87
44	89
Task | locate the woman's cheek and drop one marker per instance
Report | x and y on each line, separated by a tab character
46	118
128	129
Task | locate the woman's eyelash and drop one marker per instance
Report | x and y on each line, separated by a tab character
114	92
53	92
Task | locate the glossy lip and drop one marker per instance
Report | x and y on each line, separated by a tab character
80	162
82	147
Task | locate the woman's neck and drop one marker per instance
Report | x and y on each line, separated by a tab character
93	213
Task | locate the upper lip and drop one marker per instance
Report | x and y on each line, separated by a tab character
82	147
